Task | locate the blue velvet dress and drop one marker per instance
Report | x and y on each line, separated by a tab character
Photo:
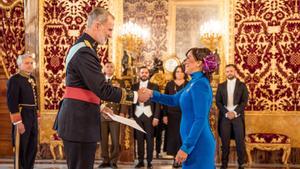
197	139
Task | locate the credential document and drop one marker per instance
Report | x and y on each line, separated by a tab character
126	121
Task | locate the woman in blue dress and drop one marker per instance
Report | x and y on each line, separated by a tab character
198	143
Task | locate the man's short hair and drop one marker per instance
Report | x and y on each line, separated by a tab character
143	67
231	65
99	14
108	62
24	56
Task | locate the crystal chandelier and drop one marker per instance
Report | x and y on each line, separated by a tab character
211	33
133	37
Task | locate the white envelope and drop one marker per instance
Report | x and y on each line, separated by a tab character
126	121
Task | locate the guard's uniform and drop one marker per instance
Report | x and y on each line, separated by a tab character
79	116
110	154
22	103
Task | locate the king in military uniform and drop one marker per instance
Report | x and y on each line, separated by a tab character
23	107
79	115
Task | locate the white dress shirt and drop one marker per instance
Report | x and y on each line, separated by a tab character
140	109
108	78
230	96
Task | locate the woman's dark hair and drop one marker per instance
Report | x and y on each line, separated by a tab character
210	61
182	68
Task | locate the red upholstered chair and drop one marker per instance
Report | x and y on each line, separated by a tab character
268	142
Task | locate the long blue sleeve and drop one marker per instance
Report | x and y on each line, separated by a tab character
169	100
200	107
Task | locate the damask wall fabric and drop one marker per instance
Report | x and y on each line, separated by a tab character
152	14
267	52
12	33
63	22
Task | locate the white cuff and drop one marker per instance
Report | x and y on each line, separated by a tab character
235	114
102	106
17	122
226	115
136	96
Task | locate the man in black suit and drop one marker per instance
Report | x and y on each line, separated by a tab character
78	121
231	100
147	116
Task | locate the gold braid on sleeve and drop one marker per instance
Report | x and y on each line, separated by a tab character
127	97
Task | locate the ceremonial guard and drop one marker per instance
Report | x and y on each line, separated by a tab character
23	107
110	153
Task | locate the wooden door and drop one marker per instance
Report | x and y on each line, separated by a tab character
6	150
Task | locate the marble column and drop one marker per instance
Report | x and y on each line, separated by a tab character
116	51
31	17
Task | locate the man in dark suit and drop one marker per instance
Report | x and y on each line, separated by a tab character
231	100
147	116
23	105
78	121
109	127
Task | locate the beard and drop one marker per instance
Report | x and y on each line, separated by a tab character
230	77
144	79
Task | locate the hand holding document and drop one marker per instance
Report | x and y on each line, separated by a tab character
126	121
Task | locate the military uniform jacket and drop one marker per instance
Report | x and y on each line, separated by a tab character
22	99
79	120
115	107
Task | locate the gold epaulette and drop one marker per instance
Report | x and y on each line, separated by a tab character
88	44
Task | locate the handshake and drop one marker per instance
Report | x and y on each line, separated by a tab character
144	94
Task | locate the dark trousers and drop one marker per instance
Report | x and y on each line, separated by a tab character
226	128
146	123
80	155
158	136
111	128
28	145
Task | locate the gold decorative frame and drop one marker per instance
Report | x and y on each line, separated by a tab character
9	6
226	45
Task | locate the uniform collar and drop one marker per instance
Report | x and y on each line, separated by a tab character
197	75
109	77
92	41
22	73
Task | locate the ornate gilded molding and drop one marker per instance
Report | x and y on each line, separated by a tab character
116	50
269	147
232	4
3	65
9	3
41	56
272	113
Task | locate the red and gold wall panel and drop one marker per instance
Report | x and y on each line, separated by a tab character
267	53
62	22
12	33
152	14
